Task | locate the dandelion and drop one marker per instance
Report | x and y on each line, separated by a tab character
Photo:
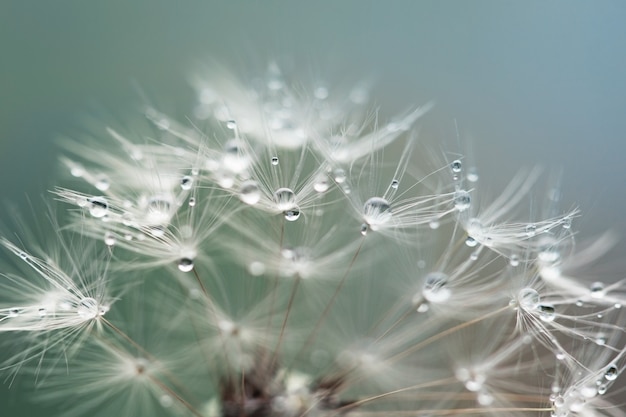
279	255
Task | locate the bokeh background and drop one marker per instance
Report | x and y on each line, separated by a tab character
527	82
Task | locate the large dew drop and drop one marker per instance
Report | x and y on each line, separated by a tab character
185	264
435	288
249	192
88	308
528	299
98	206
376	212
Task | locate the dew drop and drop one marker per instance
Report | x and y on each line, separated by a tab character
435	288
42	312
602	388
394	184
14	312
456	166
192	201
474	255
528	298
434	224
274	160
109	239
285	199
531	230
292	214
77	171
461	200
376	211
256	268
321	184
547	312
98	206
472	175
611	373
185	264
567	223
597	290
514	260
231	124
249	192
186	182
484	398
364	228
102	183
88	308
471	242
600	339
340	176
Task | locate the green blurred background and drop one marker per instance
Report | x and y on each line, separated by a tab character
530	82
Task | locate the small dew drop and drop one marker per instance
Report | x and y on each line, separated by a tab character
394	184
192	201
88	308
109	239
472	175
461	200
256	268
102	183
14	312
98	206
186	182
364	228
185	264
274	160
597	290
471	242
42	312
514	260
547	312
249	192
474	255
77	171
528	298
292	214
340	176
611	373
531	230
435	288
231	124
456	166
321	184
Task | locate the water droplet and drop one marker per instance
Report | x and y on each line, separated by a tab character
42	312
456	166
602	389
547	312
185	264
285	199
14	312
249	192
423	308
274	160
109	239
597	290
611	373
77	171
461	200
567	223
548	252
166	401
435	288
531	230
472	175
159	207
514	260
322	184
186	182
98	206
364	228
192	201
394	184
471	242
231	124
88	308
600	339
234	158
376	211
528	298
102	183
434	224
292	214
256	268
340	176
474	255
321	93
484	398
